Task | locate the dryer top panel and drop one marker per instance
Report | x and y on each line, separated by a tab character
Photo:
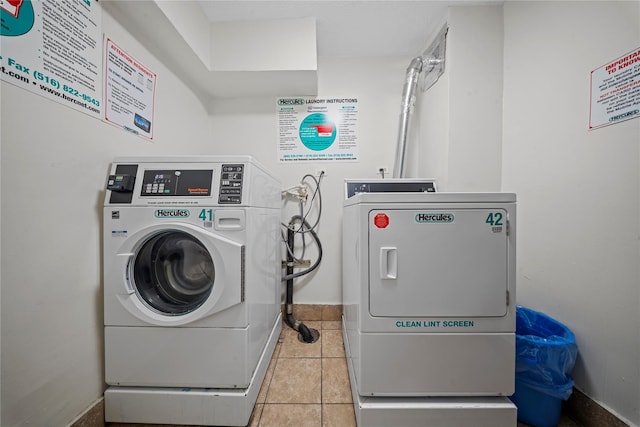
391	185
385	198
190	181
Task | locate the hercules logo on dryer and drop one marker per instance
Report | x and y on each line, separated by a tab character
430	217
172	213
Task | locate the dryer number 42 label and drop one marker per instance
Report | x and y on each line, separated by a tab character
494	218
496	221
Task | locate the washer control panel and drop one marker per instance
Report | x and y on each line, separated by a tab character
173	182
228	181
231	184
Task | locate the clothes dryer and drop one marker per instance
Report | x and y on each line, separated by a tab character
429	308
191	288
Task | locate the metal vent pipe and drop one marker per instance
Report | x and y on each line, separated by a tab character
406	108
428	68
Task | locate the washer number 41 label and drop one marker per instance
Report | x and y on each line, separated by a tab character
206	215
496	221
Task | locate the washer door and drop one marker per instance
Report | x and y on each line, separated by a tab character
175	274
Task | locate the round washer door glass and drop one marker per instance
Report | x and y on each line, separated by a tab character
173	272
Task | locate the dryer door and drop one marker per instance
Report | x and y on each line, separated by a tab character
437	262
176	274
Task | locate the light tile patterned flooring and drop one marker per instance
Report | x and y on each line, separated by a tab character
307	384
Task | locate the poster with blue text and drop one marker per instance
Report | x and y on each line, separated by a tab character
317	129
53	48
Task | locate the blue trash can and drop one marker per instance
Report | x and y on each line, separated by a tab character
546	352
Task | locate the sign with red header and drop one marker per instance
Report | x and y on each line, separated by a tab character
615	91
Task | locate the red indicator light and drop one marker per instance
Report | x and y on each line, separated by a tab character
381	220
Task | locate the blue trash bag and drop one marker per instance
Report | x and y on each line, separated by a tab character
546	352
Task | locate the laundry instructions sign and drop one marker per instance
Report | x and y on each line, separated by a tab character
317	129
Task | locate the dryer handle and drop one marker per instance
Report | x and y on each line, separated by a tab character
122	264
388	263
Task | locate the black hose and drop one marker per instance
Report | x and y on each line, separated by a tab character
290	274
308	335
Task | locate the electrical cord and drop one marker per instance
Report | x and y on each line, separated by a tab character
317	193
304	227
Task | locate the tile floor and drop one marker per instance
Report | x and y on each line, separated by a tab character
308	384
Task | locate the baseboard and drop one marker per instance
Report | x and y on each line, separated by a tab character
587	413
92	417
314	312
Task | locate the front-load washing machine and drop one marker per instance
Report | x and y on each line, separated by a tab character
429	308
191	288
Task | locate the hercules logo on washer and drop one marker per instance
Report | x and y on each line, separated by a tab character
172	213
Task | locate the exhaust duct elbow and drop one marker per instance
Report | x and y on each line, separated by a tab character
431	65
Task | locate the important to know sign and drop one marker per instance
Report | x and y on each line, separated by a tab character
615	91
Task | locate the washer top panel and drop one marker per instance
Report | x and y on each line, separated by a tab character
186	181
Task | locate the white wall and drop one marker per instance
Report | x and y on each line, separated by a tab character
54	164
578	190
250	126
458	125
